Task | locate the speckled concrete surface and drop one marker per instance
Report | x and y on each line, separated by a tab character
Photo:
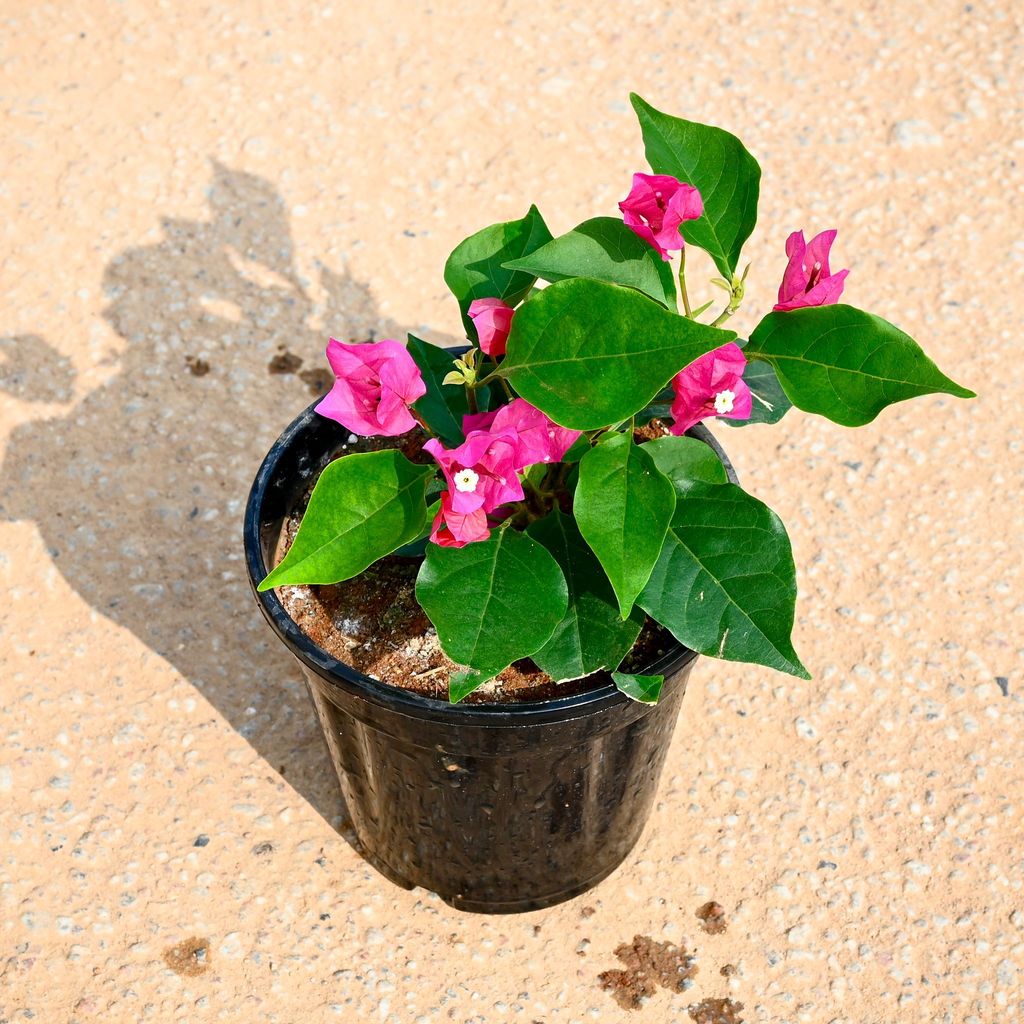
217	181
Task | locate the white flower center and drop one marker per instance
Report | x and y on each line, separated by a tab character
466	480
724	401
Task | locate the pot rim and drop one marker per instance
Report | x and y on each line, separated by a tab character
396	698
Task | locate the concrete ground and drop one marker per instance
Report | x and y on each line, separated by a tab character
190	186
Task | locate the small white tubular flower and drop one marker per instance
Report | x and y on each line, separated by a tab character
724	401
466	480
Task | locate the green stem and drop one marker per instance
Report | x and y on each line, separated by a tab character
471	399
682	283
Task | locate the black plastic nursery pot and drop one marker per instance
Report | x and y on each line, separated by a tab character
498	808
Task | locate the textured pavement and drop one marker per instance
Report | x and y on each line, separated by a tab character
195	187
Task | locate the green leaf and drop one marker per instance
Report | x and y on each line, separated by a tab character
589	353
417	547
577	449
846	364
444	405
623	506
769	402
462	684
719	166
494	601
686	461
475	269
591	636
362	508
725	584
606	250
646	689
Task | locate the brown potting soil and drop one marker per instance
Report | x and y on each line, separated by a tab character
374	623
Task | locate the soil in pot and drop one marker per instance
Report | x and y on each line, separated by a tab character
374	623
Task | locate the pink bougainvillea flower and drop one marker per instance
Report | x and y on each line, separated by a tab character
712	385
453	529
655	207
536	438
477	421
807	280
481	472
375	384
492	319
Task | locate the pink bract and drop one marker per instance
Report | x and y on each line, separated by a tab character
477	421
807	280
480	473
715	375
375	383
536	438
492	319
655	207
453	529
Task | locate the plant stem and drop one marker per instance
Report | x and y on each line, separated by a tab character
421	421
682	283
471	399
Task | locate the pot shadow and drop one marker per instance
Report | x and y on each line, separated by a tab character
138	488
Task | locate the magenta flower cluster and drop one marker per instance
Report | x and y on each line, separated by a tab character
378	383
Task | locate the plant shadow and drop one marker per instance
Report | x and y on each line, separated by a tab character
138	488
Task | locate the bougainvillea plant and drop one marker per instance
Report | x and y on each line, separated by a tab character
550	523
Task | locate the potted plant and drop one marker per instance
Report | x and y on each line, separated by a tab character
565	514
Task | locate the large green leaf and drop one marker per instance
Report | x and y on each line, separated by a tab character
718	164
444	405
493	601
686	462
725	584
604	249
590	354
362	508
623	506
476	268
846	364
591	635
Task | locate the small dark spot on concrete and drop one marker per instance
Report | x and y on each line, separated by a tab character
1003	682
193	513
408	233
322	861
648	964
318	381
197	367
536	929
587	912
284	362
827	864
716	1011
853	465
712	917
728	970
261	849
325	917
202	839
189	958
